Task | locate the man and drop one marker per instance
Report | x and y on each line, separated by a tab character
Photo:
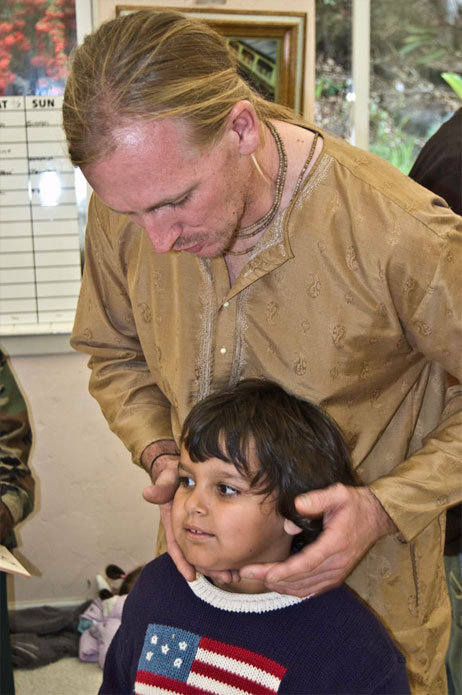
439	168
271	249
439	164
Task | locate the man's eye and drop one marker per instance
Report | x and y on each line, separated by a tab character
227	490
184	481
180	203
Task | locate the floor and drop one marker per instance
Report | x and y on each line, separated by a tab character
68	676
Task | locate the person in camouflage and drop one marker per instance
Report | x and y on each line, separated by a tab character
16	492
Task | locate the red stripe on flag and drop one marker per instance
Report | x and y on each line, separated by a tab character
231	679
245	655
169	685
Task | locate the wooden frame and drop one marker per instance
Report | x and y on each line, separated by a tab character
282	75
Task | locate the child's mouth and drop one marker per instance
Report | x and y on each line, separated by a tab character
197	533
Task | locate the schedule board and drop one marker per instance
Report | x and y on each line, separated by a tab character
40	249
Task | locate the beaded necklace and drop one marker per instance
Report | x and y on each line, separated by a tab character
296	190
256	227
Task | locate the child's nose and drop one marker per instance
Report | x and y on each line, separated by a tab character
196	502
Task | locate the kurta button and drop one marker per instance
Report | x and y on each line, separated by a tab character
226	305
223	350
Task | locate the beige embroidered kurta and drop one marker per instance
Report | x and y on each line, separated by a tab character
352	300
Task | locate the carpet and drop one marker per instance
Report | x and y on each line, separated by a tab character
68	676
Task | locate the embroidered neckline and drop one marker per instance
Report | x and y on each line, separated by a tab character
274	235
240	603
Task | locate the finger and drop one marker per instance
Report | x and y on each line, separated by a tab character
174	550
326	552
164	488
182	565
332	566
257	571
165	466
159	494
317	502
306	587
305	563
169	476
221	577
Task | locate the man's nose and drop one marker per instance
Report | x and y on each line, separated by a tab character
162	236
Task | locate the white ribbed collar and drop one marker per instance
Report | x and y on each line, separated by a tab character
240	603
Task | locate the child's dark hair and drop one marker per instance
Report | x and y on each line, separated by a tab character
297	445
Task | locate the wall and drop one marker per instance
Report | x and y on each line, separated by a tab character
89	509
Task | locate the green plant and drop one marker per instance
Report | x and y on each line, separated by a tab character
454	81
326	87
390	140
419	40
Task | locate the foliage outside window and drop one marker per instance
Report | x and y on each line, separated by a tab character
333	66
416	71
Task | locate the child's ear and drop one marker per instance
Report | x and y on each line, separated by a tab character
290	528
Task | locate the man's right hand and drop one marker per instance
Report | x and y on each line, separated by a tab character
160	460
165	480
164	475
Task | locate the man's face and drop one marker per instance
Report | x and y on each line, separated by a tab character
220	522
186	199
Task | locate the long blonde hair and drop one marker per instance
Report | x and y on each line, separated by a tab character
149	65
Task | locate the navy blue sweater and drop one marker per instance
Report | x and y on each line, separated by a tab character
195	638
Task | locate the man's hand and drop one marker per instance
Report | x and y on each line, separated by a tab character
160	460
163	468
353	521
164	476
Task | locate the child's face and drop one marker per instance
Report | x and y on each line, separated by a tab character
220	523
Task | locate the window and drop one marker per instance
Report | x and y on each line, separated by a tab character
389	73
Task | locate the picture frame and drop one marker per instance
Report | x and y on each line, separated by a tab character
270	47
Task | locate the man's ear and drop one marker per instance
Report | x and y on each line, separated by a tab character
243	121
290	528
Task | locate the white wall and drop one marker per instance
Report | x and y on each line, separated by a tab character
89	510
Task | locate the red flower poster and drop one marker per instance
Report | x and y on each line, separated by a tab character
36	37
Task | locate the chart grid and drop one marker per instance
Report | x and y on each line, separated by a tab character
40	235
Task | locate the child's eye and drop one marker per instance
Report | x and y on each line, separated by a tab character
227	490
184	481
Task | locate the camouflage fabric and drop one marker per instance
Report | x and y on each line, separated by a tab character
16	482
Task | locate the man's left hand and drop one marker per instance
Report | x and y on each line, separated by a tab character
353	521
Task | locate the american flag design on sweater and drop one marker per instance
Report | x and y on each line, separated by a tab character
181	662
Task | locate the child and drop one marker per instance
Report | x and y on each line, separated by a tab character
246	453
